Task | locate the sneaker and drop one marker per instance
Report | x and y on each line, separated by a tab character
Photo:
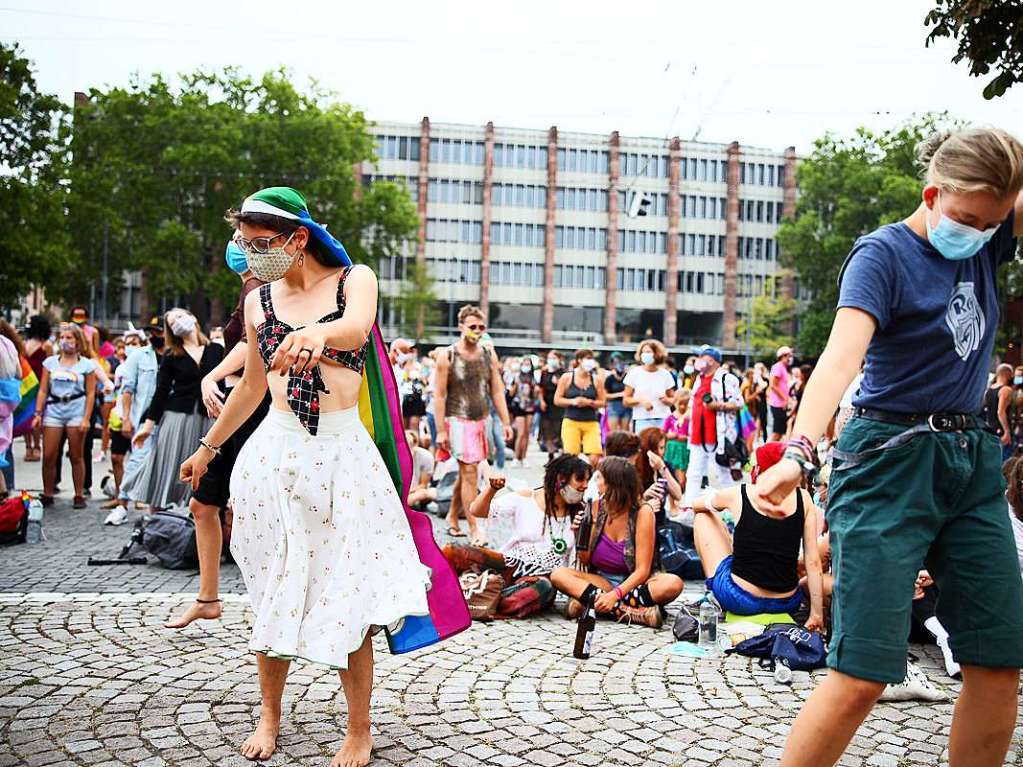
644	616
79	502
574	609
117	517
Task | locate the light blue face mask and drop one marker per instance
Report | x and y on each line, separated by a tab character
1018	380
236	259
953	240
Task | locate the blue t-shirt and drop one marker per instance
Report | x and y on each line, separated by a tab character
936	319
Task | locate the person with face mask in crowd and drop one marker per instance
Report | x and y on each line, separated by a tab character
138	384
618	415
550	414
689	376
649	387
916	474
177	407
715	409
581	392
468	378
523	398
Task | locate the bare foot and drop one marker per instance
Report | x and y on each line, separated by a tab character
262	743
355	751
197	611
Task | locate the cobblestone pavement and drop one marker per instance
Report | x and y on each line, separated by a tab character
91	678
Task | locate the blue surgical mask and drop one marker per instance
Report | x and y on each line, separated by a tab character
1018	380
236	259
953	240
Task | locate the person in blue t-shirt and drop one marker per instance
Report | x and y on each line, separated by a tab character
916	481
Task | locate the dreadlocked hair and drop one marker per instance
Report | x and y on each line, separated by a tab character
558	473
1013	471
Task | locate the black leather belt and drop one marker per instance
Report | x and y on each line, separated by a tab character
936	421
53	399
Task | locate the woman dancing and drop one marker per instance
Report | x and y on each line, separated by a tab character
320	533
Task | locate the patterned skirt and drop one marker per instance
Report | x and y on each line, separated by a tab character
321	538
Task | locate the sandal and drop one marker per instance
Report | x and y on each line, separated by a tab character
455	532
480	543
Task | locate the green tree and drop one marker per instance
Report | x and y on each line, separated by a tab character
848	187
33	151
769	319
157	164
417	302
990	36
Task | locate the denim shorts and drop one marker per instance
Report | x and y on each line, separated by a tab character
617	409
735	599
60	414
615	579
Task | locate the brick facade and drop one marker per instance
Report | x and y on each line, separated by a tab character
611	279
547	329
671	265
488	182
424	179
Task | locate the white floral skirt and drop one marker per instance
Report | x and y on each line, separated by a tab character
321	538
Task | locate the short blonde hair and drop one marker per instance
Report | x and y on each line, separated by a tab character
973	160
660	353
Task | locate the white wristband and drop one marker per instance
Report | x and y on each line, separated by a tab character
708	499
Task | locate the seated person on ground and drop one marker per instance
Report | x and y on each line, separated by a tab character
541	523
758	571
651	465
620	553
420	492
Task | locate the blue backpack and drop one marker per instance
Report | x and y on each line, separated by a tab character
801	650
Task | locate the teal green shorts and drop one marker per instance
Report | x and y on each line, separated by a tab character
934	503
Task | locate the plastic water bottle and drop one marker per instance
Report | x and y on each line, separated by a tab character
708	624
782	672
34	532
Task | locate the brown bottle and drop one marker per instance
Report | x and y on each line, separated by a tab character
585	629
582	535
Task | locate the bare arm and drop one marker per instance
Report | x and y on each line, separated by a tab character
629	398
1004	400
812	560
481	506
440	396
601	399
722	499
838	365
645	542
44	392
560	400
212	397
497	395
90	398
244	400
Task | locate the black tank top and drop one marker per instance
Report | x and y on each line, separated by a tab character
765	549
990	411
573	413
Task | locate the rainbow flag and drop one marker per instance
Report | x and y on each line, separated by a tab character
26	409
380	411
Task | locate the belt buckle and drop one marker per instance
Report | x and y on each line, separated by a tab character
944	422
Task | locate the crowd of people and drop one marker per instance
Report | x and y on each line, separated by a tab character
268	420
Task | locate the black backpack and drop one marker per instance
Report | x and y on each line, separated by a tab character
170	537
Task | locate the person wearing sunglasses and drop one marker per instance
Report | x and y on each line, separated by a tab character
468	379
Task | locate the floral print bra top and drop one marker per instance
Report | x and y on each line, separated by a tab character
304	388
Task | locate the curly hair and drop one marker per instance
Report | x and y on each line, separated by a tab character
660	352
1012	469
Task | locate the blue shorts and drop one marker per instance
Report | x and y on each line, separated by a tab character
616	409
60	414
735	599
615	579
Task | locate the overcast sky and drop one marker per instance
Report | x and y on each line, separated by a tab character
768	74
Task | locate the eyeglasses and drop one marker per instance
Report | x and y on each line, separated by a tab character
477	328
258	244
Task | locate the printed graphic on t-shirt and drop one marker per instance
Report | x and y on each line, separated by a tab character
965	319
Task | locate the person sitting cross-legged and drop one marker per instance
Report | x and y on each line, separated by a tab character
758	571
620	555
